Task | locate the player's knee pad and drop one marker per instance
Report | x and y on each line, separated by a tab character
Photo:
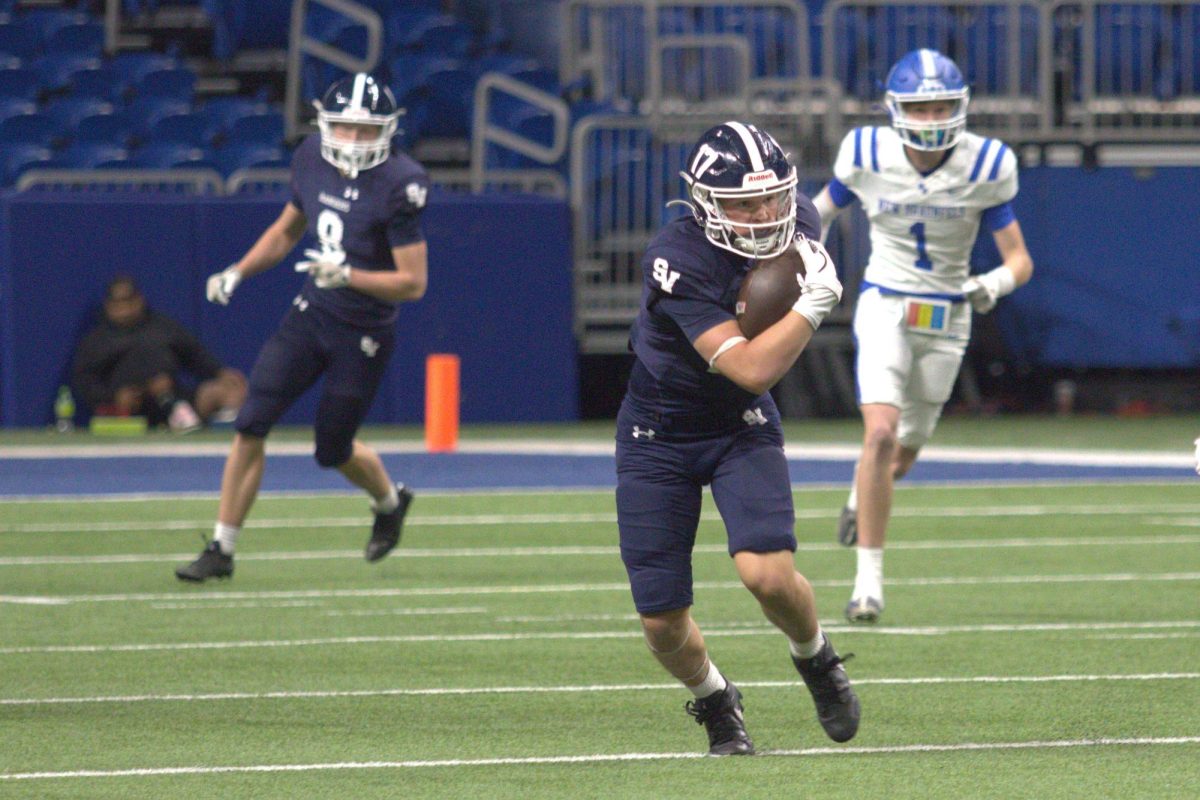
337	422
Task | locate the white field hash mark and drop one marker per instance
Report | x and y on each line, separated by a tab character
602	758
764	629
629	687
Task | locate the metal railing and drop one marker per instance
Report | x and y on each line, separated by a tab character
301	45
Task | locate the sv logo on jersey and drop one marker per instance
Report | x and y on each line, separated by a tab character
754	416
369	346
416	194
665	276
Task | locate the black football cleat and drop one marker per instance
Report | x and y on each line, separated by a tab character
212	563
721	715
848	527
385	533
838	710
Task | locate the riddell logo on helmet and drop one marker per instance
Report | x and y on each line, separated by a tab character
759	177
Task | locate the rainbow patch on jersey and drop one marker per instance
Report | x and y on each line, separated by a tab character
926	315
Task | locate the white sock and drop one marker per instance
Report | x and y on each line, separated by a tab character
868	582
226	537
388	504
852	500
807	649
713	682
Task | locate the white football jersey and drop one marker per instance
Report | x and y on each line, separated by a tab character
923	227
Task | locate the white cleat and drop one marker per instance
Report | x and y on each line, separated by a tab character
863	610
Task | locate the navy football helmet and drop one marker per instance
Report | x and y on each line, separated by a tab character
920	76
736	162
357	100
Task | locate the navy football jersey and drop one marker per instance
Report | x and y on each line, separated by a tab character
358	221
689	287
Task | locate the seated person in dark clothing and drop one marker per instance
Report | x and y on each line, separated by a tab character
132	360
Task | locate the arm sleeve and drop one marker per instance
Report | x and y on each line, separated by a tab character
840	193
406	205
998	217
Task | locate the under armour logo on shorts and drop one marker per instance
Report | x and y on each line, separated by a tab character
754	416
638	433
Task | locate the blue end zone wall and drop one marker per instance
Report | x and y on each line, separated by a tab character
1116	273
500	295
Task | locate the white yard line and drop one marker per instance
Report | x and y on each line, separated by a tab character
763	629
602	758
606	448
587	689
572	588
591	550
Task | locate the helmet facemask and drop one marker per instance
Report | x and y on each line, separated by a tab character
352	157
924	134
749	239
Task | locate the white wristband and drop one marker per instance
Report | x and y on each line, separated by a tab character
725	347
1005	281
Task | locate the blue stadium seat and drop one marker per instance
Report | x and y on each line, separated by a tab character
248	25
260	128
194	128
143	113
19	39
103	83
69	111
400	24
89	155
57	70
227	110
131	67
15	106
454	39
409	70
235	156
82	37
451	100
164	155
175	82
16	158
35	128
111	129
21	82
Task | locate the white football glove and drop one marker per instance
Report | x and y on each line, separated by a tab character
820	290
327	268
221	285
984	290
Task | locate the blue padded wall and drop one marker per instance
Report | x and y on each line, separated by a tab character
500	295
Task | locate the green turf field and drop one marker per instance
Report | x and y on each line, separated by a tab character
1038	642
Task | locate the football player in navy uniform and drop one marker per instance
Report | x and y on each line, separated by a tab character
697	413
363	205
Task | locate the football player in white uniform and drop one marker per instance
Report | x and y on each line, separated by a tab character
926	185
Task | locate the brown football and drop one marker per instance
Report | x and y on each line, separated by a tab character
769	291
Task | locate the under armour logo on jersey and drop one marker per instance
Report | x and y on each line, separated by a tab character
639	433
299	302
665	276
369	346
351	193
754	416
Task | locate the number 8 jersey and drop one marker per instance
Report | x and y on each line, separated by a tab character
923	226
